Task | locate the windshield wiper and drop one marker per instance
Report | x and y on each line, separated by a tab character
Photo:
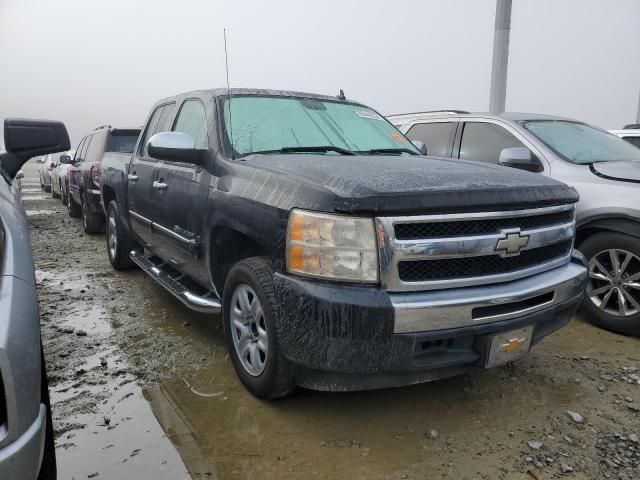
390	150
321	148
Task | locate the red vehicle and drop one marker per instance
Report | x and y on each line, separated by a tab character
83	178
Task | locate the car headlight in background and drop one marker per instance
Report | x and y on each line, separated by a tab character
334	247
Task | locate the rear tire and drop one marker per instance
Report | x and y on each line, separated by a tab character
47	188
619	310
53	192
119	242
91	221
48	470
269	377
65	195
72	207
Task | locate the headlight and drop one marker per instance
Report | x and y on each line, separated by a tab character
332	246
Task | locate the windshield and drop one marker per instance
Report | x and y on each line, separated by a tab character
264	124
580	143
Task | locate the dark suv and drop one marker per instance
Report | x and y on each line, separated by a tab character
84	177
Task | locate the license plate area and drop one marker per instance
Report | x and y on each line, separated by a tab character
509	346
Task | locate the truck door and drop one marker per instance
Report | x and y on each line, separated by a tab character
180	194
141	176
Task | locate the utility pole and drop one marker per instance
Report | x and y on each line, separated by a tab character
500	56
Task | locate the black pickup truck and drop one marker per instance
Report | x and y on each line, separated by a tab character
340	256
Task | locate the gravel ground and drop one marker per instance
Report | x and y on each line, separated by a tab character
143	388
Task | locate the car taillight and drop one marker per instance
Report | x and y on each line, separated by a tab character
96	173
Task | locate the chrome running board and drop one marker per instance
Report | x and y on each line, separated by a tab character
206	303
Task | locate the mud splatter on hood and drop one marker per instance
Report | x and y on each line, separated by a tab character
403	183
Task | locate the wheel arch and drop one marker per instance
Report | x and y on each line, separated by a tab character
625	225
227	247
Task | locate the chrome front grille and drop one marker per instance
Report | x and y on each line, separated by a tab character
447	251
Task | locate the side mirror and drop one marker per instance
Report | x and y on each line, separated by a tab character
420	146
521	158
66	159
175	147
19	175
25	139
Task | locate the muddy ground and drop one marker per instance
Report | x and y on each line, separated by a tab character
142	388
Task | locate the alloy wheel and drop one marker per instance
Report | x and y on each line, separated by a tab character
614	282
249	330
112	238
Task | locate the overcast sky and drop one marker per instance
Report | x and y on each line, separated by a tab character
90	63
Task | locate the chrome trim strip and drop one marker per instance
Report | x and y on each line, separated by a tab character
392	251
478	245
140	218
448	217
445	309
94	191
173	234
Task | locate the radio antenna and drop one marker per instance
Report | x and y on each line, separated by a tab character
226	65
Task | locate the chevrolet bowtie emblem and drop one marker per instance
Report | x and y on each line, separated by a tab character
513	243
512	345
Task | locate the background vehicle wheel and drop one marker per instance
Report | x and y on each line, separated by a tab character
47	188
53	193
612	299
91	221
48	466
119	242
72	207
249	316
64	195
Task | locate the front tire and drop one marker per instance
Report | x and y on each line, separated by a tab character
249	316
119	242
612	299
72	207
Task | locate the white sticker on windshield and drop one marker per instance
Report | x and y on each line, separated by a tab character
368	114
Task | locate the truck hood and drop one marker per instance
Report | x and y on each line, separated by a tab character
407	184
625	171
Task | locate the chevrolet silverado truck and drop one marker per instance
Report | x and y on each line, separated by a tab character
340	257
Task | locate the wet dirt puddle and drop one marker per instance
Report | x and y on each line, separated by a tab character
221	430
119	436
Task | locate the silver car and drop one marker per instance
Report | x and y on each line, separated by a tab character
27	450
602	167
44	171
59	175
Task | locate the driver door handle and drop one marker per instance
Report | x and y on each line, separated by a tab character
159	185
132	177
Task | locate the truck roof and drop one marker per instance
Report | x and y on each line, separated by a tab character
220	92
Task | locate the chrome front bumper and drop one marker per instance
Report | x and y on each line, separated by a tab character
462	307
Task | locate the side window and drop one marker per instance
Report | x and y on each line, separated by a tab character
78	155
633	141
93	152
83	153
483	142
437	136
152	126
192	120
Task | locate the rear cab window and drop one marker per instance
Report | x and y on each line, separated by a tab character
122	141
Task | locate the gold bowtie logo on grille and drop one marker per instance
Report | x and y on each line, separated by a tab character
512	243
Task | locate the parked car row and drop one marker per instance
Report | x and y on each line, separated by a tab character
75	176
341	256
